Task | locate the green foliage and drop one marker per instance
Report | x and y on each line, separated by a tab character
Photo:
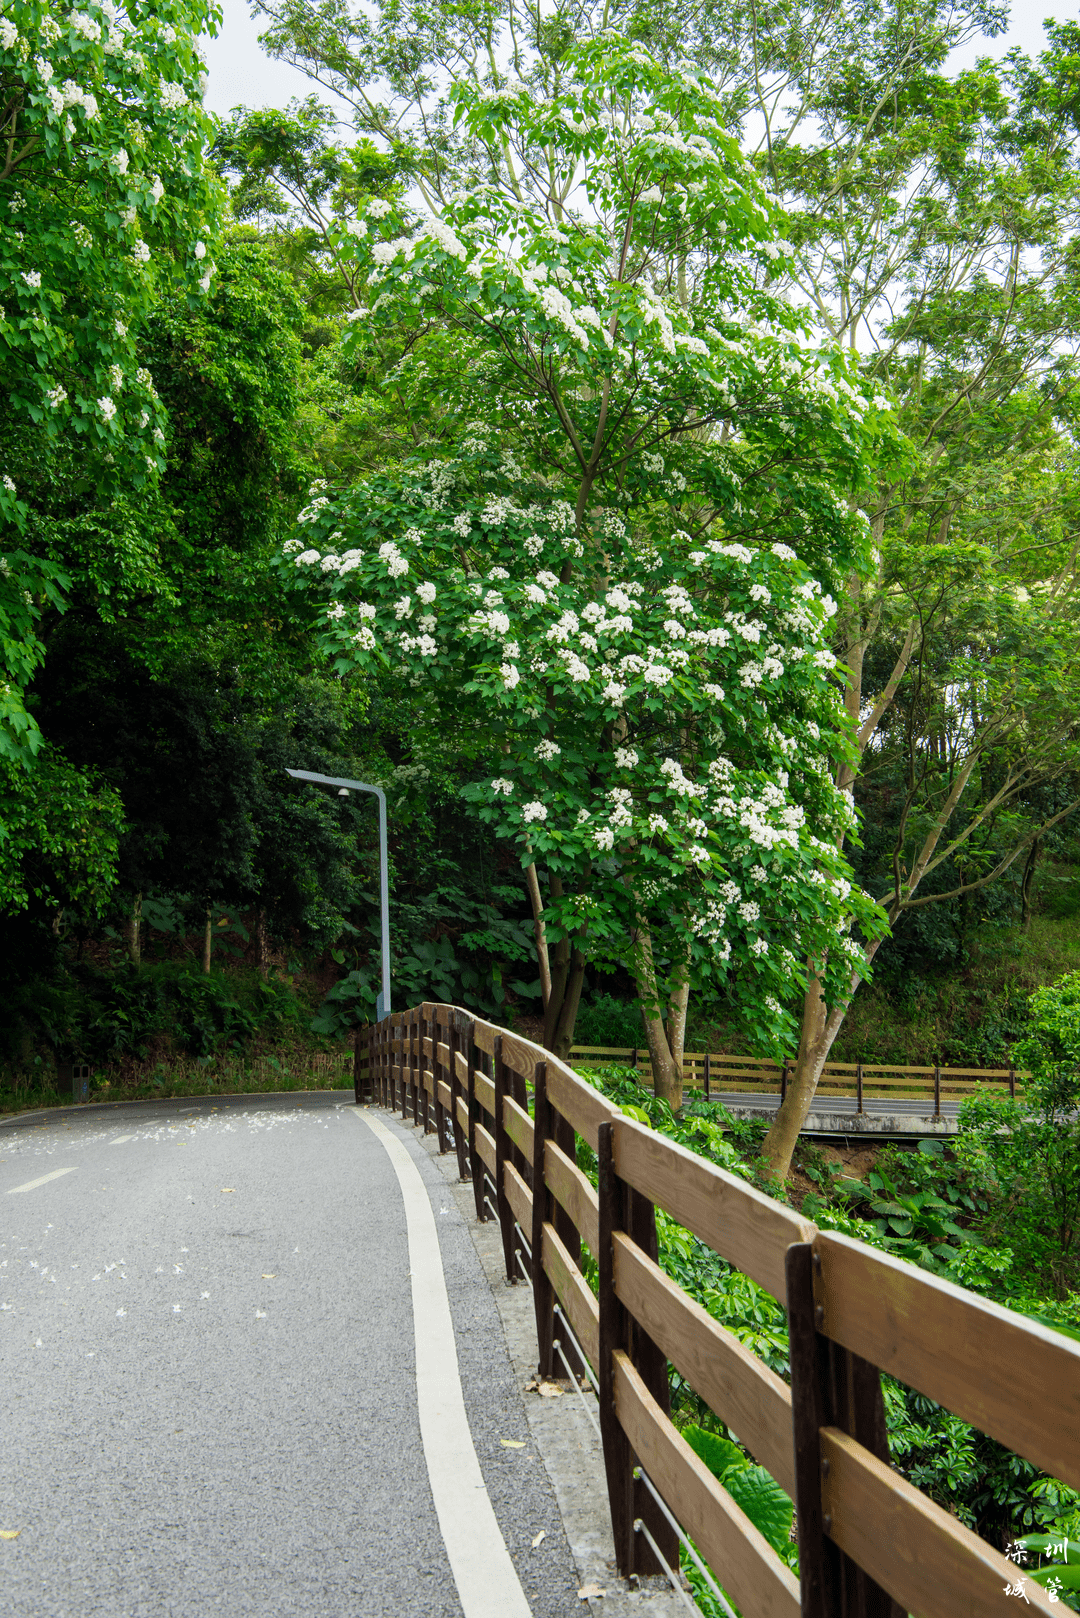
607	1021
107	204
756	1494
1029	1153
912	1202
1058	1569
60	830
102	1017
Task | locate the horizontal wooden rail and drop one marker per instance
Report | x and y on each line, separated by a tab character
1009	1376
740	1388
752	1231
910	1546
760	1583
513	1113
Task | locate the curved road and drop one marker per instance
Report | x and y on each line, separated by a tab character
210	1374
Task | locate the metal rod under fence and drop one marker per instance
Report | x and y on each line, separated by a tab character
683	1540
589	1372
557	1346
525	1276
673	1578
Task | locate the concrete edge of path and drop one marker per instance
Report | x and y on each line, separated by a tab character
487	1582
104	1109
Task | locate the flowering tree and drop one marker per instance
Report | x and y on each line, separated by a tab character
106	202
610	566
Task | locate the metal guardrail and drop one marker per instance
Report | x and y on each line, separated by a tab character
870	1543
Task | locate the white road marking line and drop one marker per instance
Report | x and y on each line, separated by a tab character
32	1185
121	1139
487	1582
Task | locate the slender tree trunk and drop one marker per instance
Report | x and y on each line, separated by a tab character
262	945
820	1026
135	932
208	939
563	1038
532	883
678	1001
1027	885
666	1071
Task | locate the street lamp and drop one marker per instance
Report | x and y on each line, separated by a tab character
382	1004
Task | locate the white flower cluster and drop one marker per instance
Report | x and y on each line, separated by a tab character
546	750
679	783
390	556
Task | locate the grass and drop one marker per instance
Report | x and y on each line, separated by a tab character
295	1068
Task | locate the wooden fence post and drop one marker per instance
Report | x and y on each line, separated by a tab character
1012	1082
476	1164
622	1208
440	1110
425	1067
784	1080
457	1092
707	1075
830	1387
419	1095
542	1208
858	1086
506	1215
937	1092
618	1456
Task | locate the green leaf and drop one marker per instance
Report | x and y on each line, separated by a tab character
719	1454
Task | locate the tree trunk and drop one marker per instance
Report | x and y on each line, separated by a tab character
667	1068
1027	885
135	932
567	976
532	883
208	940
678	1001
563	1038
820	1026
262	945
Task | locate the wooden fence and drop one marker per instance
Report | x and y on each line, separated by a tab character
870	1544
707	1071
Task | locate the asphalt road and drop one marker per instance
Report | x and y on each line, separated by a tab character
206	1340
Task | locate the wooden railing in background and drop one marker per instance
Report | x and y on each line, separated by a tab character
870	1543
711	1072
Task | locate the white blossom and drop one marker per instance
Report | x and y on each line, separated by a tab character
547	750
503	786
626	758
534	811
107	408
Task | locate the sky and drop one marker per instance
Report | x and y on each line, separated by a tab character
241	74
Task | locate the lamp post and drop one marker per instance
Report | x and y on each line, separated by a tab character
382	1004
